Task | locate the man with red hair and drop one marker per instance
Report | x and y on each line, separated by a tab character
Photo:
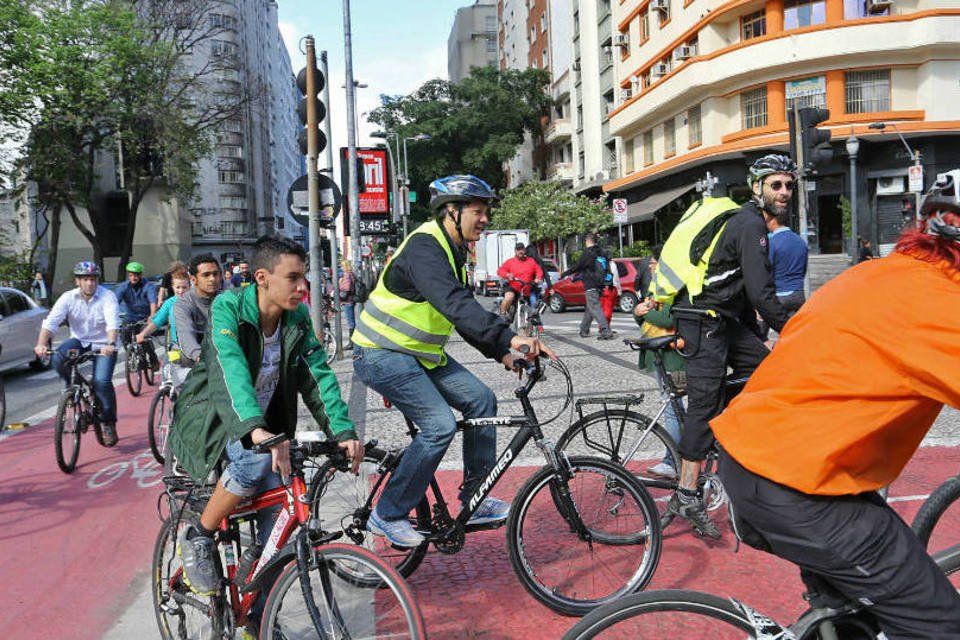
836	411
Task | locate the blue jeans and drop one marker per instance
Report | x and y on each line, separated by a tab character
102	376
670	423
348	313
425	396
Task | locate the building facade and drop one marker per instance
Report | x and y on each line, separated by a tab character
473	39
706	87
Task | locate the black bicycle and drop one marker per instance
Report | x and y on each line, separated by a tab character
581	531
77	411
139	364
161	410
937	524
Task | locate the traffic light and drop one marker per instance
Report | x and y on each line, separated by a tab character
308	76
814	144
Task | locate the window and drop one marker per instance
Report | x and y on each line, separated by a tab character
608	101
645	25
490	23
664	13
581	165
230	151
803	13
628	156
694	127
233	202
648	147
867	91
753	25
533	32
546	58
222	48
753	108
807	92
543	22
670	137
491	45
858	9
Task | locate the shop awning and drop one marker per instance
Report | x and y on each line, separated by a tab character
648	207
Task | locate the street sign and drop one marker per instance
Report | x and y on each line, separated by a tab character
298	200
413	197
374	200
915	178
374	225
619	210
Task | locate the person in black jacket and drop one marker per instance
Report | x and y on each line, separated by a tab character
738	283
587	267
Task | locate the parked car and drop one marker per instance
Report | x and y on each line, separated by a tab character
552	272
20	320
568	292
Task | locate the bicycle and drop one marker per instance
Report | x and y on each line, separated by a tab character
638	441
329	340
937	523
161	408
525	319
77	410
581	530
693	614
312	582
137	362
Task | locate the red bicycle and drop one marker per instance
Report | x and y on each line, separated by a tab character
317	589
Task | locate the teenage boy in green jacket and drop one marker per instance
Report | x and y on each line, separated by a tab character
259	351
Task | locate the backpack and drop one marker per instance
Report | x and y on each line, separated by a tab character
361	290
602	269
686	253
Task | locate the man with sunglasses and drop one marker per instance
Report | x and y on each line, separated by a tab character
738	283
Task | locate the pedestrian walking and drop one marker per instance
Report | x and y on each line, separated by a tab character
347	287
592	267
38	289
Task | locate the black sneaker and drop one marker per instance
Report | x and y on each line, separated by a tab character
196	552
584	335
606	335
694	513
109	431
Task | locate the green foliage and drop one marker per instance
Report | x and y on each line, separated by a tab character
638	249
846	214
550	210
475	126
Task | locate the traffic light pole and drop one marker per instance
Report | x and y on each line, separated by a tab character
332	231
802	201
313	190
353	195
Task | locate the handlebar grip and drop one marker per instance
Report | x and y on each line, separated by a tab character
269	443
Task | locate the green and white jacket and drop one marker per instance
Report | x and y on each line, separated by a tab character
218	401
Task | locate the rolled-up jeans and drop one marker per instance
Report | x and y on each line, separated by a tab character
426	396
102	375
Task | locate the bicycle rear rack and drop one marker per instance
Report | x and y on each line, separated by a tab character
603	401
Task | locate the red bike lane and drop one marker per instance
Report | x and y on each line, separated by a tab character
78	547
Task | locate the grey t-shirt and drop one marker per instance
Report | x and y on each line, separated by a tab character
191	312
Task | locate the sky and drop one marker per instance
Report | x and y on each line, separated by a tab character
397	46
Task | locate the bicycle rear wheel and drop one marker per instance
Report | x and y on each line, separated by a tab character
67	429
3	405
672	614
937	525
632	440
560	569
150	376
384	609
133	373
347	500
182	614
158	422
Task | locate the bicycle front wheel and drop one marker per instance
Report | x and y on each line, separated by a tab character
672	614
343	608
573	573
133	373
937	524
68	427
158	422
632	440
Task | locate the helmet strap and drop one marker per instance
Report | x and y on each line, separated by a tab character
456	219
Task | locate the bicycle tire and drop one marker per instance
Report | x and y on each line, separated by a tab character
524	328
180	613
150	376
68	426
158	422
667	614
343	498
570	575
3	405
605	433
133	374
931	514
329	345
386	609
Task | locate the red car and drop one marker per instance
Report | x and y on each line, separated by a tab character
568	292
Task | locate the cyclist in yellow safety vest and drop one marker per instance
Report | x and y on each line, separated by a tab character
419	299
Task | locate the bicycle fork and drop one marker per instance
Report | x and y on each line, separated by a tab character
563	473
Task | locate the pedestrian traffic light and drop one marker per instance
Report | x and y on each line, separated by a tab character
310	80
809	145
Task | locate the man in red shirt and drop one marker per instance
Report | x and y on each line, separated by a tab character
519	267
836	411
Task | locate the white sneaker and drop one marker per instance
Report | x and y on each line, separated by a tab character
663	470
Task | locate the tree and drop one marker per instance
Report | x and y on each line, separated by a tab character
474	126
550	211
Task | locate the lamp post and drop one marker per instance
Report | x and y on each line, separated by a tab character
853	146
914	156
420	137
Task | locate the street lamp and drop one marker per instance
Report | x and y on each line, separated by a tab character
914	156
420	137
853	146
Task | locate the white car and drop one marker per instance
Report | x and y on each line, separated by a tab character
20	320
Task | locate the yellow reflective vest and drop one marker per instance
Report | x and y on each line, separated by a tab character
686	253
392	322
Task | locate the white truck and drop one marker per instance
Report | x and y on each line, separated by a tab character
493	249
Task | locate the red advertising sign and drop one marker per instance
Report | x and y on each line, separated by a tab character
376	198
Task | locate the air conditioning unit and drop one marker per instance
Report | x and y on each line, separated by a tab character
660	5
603	175
878	6
660	69
684	52
625	94
890	186
621	40
576	66
635	84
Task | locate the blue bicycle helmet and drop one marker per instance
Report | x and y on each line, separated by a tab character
459	188
86	268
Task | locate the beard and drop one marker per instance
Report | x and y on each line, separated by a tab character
770	205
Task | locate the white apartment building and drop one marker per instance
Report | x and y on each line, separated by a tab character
707	87
473	39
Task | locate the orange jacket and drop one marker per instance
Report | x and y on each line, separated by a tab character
856	380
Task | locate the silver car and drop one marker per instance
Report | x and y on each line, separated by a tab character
20	320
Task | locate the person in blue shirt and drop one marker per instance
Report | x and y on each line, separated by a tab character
138	302
788	259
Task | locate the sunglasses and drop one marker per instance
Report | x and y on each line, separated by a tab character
776	185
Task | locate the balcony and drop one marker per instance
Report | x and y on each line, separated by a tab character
559	129
228	189
562	171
